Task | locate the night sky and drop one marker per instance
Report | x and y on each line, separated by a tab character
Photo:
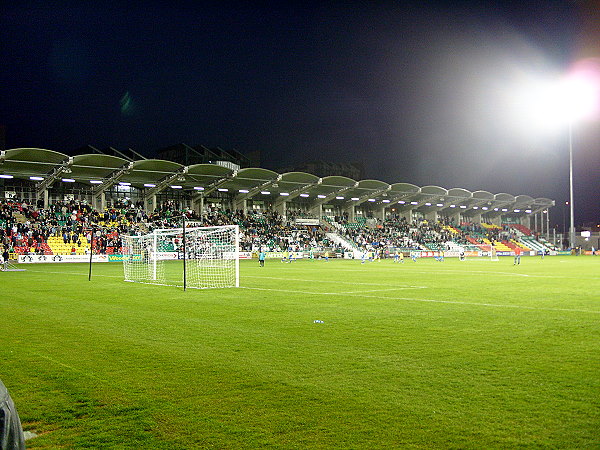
416	91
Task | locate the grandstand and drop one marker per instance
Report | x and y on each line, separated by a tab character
66	195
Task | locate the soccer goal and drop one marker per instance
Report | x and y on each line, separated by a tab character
199	257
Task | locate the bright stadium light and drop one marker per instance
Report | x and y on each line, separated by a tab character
371	200
284	194
355	199
243	191
554	103
223	190
124	183
265	192
463	206
36	178
150	185
475	207
401	202
68	180
439	205
452	206
339	197
385	201
198	188
321	196
95	182
414	203
427	204
304	195
176	186
8	177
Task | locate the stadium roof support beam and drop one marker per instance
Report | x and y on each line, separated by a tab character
55	174
363	198
296	193
107	183
337	193
255	190
216	185
165	182
120	153
150	194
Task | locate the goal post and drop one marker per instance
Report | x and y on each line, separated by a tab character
492	254
196	257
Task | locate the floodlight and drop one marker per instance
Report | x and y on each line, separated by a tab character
124	183
176	186
414	203
150	185
95	182
427	204
463	206
198	188
439	205
223	190
517	210
265	192
6	176
285	194
243	191
36	178
68	180
355	199
401	202
339	197
371	200
321	196
385	201
304	195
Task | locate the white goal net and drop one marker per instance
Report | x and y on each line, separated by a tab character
200	257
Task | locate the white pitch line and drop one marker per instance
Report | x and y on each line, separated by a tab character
327	281
399	288
410	267
75	273
429	300
74	369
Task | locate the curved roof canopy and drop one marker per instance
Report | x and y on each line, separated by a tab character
48	166
150	171
94	166
26	162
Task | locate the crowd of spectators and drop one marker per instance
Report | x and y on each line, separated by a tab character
27	226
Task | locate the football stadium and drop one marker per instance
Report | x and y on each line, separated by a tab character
151	304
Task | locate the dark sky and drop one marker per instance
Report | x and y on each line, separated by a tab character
414	90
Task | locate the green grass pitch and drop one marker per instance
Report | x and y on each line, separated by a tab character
474	354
